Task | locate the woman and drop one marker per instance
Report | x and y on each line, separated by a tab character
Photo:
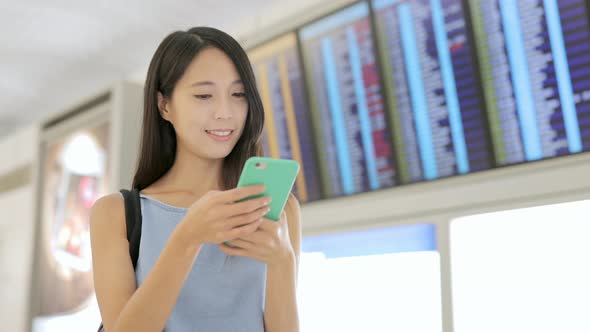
203	119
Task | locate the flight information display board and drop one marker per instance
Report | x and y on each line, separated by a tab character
432	84
402	91
354	143
288	133
535	65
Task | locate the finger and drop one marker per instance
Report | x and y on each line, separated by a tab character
232	251
247	206
256	238
241	243
247	218
242	231
268	224
237	194
240	252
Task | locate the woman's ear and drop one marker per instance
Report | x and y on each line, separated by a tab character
163	106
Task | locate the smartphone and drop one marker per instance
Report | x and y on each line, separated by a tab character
278	175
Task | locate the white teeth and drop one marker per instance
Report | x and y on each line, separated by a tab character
219	133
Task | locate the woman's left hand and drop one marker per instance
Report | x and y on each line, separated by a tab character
269	244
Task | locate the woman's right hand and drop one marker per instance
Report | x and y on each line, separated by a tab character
218	216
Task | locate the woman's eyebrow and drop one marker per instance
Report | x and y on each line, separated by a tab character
201	83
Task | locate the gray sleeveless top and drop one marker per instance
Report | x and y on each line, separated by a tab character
222	293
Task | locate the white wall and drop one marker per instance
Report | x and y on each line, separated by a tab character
544	182
17	151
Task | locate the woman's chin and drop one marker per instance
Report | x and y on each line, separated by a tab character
218	154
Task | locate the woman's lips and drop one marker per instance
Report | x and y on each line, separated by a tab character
220	135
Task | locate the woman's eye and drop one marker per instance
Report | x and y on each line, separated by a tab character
202	96
239	94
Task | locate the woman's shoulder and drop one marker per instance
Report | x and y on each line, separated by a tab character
108	213
109	203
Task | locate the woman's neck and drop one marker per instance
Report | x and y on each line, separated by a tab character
191	174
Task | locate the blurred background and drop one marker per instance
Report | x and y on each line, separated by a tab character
446	175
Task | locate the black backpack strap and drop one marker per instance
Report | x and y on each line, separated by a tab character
133	222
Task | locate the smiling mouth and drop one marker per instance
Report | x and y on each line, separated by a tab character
220	133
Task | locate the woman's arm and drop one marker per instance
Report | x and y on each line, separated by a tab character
122	306
281	314
211	219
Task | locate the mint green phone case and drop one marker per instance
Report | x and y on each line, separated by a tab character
278	175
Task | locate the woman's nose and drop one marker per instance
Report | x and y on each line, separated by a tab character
223	109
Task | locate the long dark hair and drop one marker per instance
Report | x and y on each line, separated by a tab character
158	138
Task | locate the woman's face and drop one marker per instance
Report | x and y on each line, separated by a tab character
208	106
